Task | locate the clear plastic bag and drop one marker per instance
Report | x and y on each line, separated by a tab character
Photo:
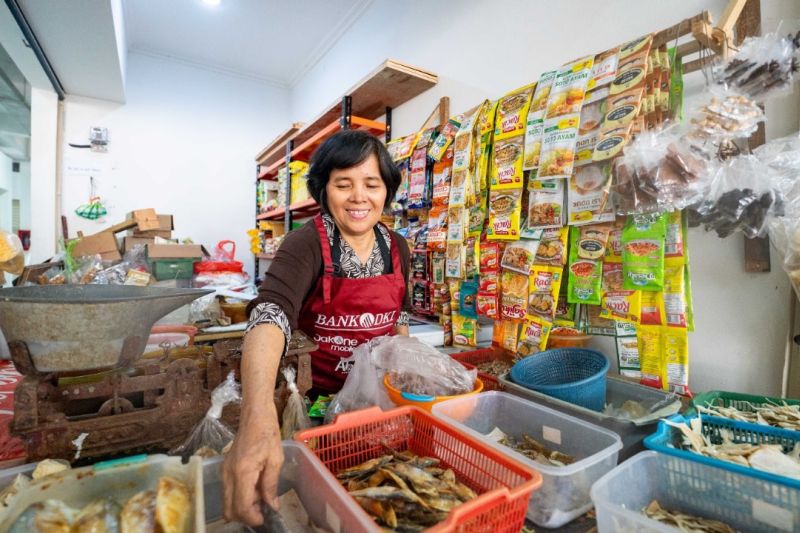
86	270
763	66
210	436
417	368
658	172
745	195
294	417
726	116
364	384
12	258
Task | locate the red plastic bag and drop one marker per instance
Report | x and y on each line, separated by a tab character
222	260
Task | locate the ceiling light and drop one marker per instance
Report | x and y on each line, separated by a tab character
212	3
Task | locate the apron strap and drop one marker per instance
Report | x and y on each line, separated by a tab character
327	260
336	251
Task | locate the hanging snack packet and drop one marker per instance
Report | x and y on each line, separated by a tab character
489	257
456	259
614	247
546	204
558	147
628	357
542	93
421	296
676	360
585	274
604	69
507	168
456	220
442	141
458	187
419	264
592	113
533	141
438	262
676	229
454	287
471	268
675	293
652	308
651	356
465	330
468	299
632	64
519	255
487	304
687	286
514	298
643	252
622	305
418	178
543	290
509	333
437	229
442	170
504	215
588	193
552	247
490	282
512	110
569	88
533	338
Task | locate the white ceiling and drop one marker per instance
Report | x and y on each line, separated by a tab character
275	41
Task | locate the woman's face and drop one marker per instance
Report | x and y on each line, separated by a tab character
356	197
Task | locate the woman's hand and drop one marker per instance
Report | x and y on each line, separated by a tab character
251	470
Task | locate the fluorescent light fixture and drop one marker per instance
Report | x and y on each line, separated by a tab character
212	3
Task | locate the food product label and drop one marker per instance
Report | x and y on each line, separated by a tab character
546	204
437	229
533	141
643	252
569	88
558	147
458	187
552	247
514	297
518	256
674	293
489	260
456	257
489	282
442	141
542	93
604	69
441	180
487	305
507	169
455	225
417	179
628	355
533	337
585	275
544	286
504	215
587	195
512	111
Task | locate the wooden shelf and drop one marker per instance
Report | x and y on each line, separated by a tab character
390	85
306	207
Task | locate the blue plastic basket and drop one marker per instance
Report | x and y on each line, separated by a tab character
667	439
575	375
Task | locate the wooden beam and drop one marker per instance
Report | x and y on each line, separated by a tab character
756	251
676	31
444	110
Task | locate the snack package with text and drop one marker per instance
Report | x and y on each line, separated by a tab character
546	204
489	257
519	256
512	110
643	240
676	360
445	138
543	290
507	168
553	247
505	207
675	293
569	88
514	295
533	336
651	356
441	179
465	330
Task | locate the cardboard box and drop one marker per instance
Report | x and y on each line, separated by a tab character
129	242
174	251
103	244
164	229
147	219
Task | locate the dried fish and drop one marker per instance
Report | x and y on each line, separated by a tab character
686	522
771	458
768	414
532	449
405	492
494	368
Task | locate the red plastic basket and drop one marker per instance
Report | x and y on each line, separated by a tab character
476	357
504	485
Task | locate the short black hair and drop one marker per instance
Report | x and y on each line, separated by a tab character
346	149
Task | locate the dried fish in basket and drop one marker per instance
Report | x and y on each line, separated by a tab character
783	415
686	522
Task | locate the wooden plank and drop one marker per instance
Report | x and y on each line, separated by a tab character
756	251
684	27
277	148
730	16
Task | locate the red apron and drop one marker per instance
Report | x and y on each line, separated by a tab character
342	313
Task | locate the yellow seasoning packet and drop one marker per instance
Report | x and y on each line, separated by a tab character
507	168
616	303
465	330
651	356
512	110
543	289
675	293
533	338
509	336
676	360
505	208
514	295
652	313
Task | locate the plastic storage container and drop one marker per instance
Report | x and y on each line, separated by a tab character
119	479
504	485
323	498
743	502
743	402
564	494
618	391
574	375
422	401
473	358
668	440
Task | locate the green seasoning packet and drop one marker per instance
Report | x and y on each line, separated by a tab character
320	407
643	240
585	275
676	85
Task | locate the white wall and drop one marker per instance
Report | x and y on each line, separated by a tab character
483	49
21	182
44	219
183	143
6	192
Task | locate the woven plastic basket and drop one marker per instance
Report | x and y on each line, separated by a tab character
575	375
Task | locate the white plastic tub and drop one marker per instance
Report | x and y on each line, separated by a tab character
743	502
564	494
117	479
324	499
